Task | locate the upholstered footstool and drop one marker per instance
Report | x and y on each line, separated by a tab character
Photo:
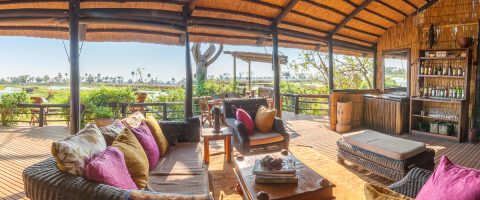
386	156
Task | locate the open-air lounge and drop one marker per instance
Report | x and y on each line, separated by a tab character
414	140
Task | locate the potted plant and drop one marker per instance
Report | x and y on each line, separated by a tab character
102	115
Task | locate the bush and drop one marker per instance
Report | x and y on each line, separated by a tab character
106	97
100	112
8	107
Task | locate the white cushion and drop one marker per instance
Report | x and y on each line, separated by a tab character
259	138
389	146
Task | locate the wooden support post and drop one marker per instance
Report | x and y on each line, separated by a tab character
234	72
297	105
276	72
476	106
375	67
41	117
330	64
164	111
74	10
249	75
188	70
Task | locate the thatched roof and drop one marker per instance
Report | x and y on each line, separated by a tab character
355	25
256	57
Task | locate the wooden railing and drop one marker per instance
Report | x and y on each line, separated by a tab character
315	104
162	110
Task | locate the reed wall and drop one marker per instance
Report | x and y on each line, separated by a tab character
452	17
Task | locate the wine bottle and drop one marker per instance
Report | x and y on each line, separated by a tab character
459	72
449	72
454	72
422	70
444	70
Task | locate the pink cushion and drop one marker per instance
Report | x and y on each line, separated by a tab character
246	120
109	168
450	181
146	139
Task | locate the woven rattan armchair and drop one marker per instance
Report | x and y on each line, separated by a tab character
44	181
241	140
411	184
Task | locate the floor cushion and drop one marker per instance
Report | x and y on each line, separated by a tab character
264	119
134	120
375	192
145	137
146	195
72	151
246	120
181	171
383	144
135	158
259	138
109	168
450	181
111	131
157	133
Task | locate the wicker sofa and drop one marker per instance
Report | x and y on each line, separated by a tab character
44	181
411	184
241	140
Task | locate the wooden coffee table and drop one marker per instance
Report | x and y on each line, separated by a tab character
310	184
225	135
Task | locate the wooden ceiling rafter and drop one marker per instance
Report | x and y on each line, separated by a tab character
284	12
392	8
371	12
349	17
410	4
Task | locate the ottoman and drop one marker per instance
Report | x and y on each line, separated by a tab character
386	156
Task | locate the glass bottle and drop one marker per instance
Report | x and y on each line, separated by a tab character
459	72
422	69
454	72
449	72
444	70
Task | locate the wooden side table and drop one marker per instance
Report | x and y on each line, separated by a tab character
225	135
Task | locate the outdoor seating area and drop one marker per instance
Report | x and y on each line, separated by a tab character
408	129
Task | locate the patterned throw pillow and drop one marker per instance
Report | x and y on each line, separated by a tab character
111	131
71	152
109	168
134	120
246	120
135	158
157	133
264	119
145	137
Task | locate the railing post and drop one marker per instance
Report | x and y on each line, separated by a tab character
297	103
165	111
124	110
41	117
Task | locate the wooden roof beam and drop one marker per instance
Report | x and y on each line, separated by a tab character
285	12
349	17
410	4
392	8
372	12
174	2
425	6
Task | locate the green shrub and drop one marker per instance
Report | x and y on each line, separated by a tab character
110	97
8	107
99	112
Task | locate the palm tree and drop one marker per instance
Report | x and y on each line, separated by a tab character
133	76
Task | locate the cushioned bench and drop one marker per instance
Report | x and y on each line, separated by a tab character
384	155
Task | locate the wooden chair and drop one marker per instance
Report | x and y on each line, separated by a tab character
36	112
205	114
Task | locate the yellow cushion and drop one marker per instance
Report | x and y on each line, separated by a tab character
135	157
157	133
265	138
374	192
264	119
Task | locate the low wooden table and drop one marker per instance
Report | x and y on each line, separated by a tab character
225	135
310	184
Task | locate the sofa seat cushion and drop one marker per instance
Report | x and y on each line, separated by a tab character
389	146
180	171
259	138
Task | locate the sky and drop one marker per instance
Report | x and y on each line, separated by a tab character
38	57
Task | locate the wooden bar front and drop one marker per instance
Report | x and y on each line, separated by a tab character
386	115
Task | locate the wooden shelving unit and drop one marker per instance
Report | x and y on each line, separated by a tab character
426	103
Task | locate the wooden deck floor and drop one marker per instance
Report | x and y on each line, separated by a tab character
24	146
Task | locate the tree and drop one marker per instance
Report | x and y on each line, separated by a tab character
349	72
204	60
39	79
46	78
